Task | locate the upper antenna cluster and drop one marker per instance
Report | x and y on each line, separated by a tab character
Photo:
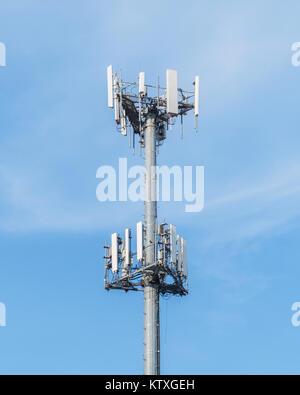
133	101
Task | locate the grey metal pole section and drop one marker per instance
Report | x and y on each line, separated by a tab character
151	294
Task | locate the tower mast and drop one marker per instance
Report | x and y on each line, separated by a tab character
151	291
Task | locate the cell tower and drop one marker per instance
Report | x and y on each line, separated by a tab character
159	264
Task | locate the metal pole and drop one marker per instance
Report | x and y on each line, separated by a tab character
151	294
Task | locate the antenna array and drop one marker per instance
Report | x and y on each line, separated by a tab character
133	102
125	269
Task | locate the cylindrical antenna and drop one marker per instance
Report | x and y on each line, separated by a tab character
181	126
133	142
140	115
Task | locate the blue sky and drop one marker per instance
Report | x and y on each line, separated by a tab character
56	131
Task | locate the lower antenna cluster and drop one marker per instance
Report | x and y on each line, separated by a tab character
126	269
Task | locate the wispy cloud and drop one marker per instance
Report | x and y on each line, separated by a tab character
255	211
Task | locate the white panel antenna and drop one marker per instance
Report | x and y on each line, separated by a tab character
184	258
116	102
140	241
115	252
179	254
197	95
123	123
117	111
127	261
173	244
142	87
110	90
172	92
